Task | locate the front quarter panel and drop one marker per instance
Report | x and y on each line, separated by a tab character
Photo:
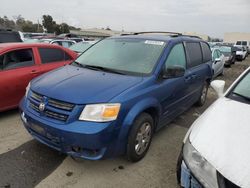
130	117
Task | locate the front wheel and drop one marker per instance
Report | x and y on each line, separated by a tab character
140	137
203	95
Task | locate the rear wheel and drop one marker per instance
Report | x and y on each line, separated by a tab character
203	95
140	137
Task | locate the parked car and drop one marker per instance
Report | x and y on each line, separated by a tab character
218	62
61	42
115	95
241	53
216	151
70	36
229	53
9	36
21	62
80	47
244	43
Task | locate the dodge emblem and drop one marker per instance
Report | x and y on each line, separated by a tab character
41	107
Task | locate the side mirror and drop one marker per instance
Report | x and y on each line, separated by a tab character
218	86
217	60
173	72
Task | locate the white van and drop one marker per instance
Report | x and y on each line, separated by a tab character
245	43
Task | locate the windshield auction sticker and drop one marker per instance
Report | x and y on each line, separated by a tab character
154	42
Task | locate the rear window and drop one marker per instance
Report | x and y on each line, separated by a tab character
194	54
238	43
206	52
51	55
244	43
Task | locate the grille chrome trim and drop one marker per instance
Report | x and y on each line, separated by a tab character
53	102
61	105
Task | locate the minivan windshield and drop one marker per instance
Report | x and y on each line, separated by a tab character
225	49
242	89
123	55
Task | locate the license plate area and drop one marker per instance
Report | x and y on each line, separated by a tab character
38	129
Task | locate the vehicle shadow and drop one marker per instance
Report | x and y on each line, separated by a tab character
28	164
9	113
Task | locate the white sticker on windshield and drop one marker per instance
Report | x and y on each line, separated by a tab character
154	42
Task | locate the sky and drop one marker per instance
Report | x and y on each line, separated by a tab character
211	17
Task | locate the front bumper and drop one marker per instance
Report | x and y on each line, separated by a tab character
187	179
88	140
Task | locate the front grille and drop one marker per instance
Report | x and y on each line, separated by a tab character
61	105
54	103
55	115
55	107
36	96
49	113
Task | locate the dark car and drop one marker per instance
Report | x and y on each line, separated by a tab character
229	53
112	99
9	36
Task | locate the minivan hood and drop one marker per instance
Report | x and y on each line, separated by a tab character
222	136
82	86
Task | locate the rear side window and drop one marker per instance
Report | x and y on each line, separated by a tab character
176	57
51	55
194	54
244	43
16	59
206	52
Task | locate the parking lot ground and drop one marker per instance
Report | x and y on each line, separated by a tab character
26	163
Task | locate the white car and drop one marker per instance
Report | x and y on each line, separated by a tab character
218	62
216	148
62	42
241	53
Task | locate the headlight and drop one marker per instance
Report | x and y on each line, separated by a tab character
100	112
27	89
204	172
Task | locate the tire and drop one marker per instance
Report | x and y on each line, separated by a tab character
140	137
203	95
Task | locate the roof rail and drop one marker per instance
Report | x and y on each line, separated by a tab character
161	32
173	34
192	36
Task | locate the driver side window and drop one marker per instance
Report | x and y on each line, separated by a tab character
16	59
176	57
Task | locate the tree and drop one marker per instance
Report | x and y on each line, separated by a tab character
6	23
20	21
48	23
64	28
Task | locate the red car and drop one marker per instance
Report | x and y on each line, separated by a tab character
21	62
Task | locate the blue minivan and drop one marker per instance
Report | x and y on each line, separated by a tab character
112	99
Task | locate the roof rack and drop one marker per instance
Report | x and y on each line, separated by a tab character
173	34
192	36
161	32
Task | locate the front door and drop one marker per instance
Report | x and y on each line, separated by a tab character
173	99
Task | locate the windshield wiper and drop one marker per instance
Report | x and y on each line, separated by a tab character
105	69
243	96
77	63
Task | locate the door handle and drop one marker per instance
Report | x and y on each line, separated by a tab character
194	76
188	78
34	72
